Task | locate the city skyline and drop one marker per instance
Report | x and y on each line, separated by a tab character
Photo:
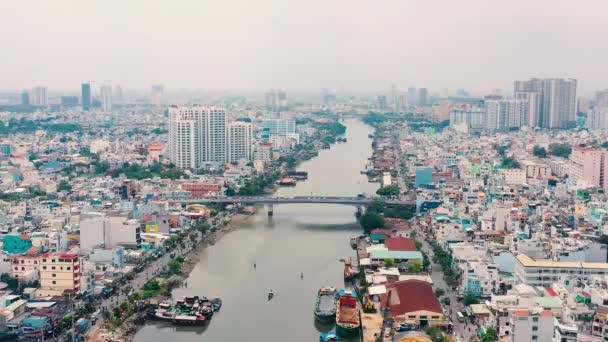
297	46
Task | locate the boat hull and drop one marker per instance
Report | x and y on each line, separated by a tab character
325	318
347	330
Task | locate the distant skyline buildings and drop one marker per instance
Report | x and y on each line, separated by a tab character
39	97
106	98
85	96
557	100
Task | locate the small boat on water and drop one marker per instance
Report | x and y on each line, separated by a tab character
347	313
270	295
287	181
216	303
325	306
349	271
329	337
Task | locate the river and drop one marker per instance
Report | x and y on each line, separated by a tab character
308	238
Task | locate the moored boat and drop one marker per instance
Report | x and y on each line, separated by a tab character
217	304
287	181
347	313
329	337
325	306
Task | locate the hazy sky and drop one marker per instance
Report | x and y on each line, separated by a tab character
303	45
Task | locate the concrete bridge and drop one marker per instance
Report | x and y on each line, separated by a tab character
270	201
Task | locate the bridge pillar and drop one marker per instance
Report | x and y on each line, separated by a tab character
270	210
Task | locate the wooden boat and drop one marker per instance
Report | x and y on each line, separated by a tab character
347	313
270	295
329	337
217	304
325	305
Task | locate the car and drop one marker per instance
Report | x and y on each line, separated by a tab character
404	327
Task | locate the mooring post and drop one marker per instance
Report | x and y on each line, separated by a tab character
270	210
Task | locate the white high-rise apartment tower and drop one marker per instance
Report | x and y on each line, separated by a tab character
39	97
558	100
240	135
106	98
197	135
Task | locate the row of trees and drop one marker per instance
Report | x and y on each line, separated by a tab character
377	210
555	149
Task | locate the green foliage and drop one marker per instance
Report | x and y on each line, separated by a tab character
257	186
230	191
469	299
501	150
560	150
414	266
12	282
152	285
399	211
490	335
435	334
389	191
136	171
159	131
388	262
373	119
605	144
510	163
371	220
539	151
174	266
439	292
64	185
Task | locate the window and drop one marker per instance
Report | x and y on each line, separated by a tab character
54	275
535	319
534	337
44	267
52	260
534	328
43	260
53	267
54	282
68	268
23	268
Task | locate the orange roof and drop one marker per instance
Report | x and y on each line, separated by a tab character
546	313
521	313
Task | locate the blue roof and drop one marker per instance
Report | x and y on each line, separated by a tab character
395	255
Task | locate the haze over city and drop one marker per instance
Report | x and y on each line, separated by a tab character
478	45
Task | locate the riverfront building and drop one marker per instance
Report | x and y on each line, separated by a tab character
197	136
545	272
240	137
60	272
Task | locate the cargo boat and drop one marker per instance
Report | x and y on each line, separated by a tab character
349	271
188	311
325	306
329	337
347	313
287	181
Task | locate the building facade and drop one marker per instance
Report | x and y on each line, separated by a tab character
240	137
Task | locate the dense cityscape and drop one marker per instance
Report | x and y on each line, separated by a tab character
331	171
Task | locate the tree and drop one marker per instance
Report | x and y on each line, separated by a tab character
510	163
439	292
174	266
64	186
560	150
230	192
469	299
490	335
389	191
388	262
539	151
414	266
12	282
605	144
371	220
435	334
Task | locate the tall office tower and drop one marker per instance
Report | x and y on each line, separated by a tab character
423	95
381	101
412	99
597	118
240	137
157	94
118	96
499	114
558	100
39	97
197	135
531	108
25	98
274	99
106	98
601	98
85	96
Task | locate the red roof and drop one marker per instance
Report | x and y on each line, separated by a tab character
551	291
398	243
410	296
386	232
